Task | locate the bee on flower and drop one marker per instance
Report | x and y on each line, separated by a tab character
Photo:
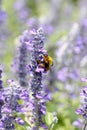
45	63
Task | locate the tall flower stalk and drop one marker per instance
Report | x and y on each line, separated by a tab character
22	71
1	95
36	85
83	109
11	106
39	97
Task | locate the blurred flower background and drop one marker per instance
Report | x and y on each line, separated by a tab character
64	23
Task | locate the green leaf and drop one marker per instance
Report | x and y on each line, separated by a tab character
49	118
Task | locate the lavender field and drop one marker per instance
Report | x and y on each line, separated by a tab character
43	65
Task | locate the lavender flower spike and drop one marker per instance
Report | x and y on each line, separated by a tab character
11	106
83	109
1	82
37	41
38	95
22	72
1	95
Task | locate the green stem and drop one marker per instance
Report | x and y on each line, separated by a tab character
84	127
51	126
36	116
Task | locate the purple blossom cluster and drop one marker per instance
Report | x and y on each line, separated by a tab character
1	90
83	109
19	99
11	107
22	63
24	100
35	41
81	39
72	50
22	10
3	18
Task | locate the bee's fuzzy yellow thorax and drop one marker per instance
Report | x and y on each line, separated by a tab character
50	60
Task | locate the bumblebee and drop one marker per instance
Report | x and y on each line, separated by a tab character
45	63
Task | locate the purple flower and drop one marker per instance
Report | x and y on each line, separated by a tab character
32	23
84	79
83	109
3	16
20	121
22	70
21	10
1	93
37	41
1	82
11	106
77	123
81	40
38	98
8	122
62	74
